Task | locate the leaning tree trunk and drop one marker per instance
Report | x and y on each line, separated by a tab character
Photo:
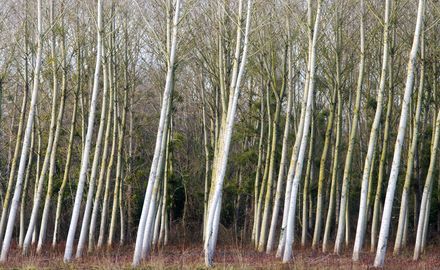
410	163
264	179
207	157
45	216
103	169
167	173
32	227
386	217
224	142
161	132
296	146
258	170
334	179
382	163
424	204
13	165
66	173
108	168
87	144
95	163
271	168
25	188
308	177
362	218
321	174
283	160
118	178
291	208
39	155
26	141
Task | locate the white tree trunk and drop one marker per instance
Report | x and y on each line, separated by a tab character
224	142
13	166
426	198
108	172
26	141
47	158
296	146
118	179
382	165
164	114
287	256
87	145
45	216
334	179
95	163
362	218
410	163
69	155
25	187
386	217
283	161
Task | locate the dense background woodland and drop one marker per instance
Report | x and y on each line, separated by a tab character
267	125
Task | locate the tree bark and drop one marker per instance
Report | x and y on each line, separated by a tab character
26	141
386	217
87	144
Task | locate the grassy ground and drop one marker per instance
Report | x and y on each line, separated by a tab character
227	257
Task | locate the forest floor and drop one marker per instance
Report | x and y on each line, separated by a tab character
227	257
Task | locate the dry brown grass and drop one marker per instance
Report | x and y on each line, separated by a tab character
227	257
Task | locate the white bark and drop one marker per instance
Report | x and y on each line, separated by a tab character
95	164
278	194
69	154
426	198
164	115
362	218
108	168
118	179
224	142
412	151
47	158
254	236
45	216
87	145
102	172
149	226
287	256
296	146
163	222
26	141
25	187
386	217
13	166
